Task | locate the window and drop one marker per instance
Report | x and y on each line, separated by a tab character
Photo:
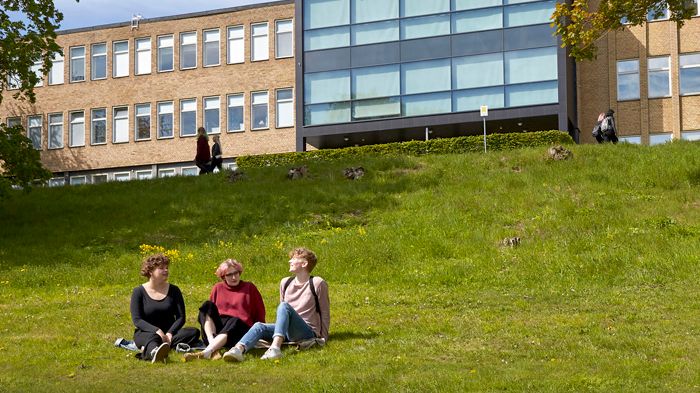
120	130
631	139
422	7
426	26
657	13
77	129
690	135
165	119
259	42
660	138
659	77
77	64
34	130
99	178
210	51
235	45
235	112
190	171
98	65
166	173
143	175
325	13
120	62
57	182
142	124
259	110
628	80
165	53
143	56
212	107
188	117
690	73
425	76
283	41
14	121
98	126
56	73
285	108
528	14
13	82
36	69
122	176
374	10
78	180
188	50
55	131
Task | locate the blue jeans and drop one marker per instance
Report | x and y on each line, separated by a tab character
288	325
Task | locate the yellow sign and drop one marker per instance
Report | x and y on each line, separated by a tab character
484	110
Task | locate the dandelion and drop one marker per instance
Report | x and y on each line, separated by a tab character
361	231
279	244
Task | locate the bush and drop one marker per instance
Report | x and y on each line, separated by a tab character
462	144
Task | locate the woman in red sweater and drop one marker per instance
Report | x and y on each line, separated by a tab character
233	307
203	157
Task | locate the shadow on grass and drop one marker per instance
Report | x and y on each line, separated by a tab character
351	335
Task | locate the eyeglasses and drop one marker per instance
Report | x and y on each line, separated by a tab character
236	273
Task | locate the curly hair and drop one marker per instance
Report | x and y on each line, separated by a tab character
305	254
153	262
225	265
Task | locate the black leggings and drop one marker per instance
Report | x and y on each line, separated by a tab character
151	340
233	327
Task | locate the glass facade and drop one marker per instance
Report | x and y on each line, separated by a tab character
374	59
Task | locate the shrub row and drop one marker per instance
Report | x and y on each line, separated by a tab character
462	144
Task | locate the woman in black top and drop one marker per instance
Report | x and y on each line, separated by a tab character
158	312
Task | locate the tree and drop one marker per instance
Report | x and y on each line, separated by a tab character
580	27
27	36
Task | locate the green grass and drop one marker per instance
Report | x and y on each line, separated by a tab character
602	294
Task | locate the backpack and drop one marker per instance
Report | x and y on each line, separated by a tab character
313	292
606	125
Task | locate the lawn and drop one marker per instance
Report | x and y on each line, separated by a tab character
601	295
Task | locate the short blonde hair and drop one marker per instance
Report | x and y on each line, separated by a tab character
305	254
225	265
153	262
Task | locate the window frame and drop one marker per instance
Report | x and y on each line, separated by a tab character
277	38
189	168
252	110
114	123
172	119
137	174
137	51
78	177
204	47
36	68
167	172
76	58
92	60
680	73
204	113
57	59
285	101
160	48
41	130
617	79
71	143
182	102
666	69
115	174
92	126
92	178
182	54
240	39
242	106
136	121
49	133
253	41
116	55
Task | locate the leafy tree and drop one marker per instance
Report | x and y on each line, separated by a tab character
27	36
580	27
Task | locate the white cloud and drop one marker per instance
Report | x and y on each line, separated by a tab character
88	13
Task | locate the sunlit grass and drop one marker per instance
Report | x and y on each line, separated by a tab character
601	295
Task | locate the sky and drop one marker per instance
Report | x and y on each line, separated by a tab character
88	13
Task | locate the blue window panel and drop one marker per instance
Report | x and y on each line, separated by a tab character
532	94
327	60
425	76
690	73
333	113
377	54
528	14
427	26
374	10
326	13
529	37
475	43
477	71
376	108
458	5
426	104
660	139
372	33
425	49
483	19
383	81
423	7
531	65
472	100
327	87
334	37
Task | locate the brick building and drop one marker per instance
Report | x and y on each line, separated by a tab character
124	103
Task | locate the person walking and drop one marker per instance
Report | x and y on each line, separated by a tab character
203	157
216	157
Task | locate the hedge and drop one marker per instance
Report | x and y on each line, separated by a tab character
462	144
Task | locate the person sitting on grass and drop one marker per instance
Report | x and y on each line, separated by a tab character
233	307
158	312
303	312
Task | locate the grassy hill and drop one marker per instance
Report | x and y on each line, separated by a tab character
602	293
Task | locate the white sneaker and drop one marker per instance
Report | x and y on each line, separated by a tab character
233	355
272	353
160	353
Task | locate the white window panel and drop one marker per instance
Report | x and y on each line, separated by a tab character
120	129
143	56
188	117
143	175
55	131
34	130
235	112
284	43
56	73
259	42
77	129
120	62
259	112
210	51
98	65
122	176
165	53
77	64
190	171
166	173
285	108
165	119
36	69
212	109
188	50
236	44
